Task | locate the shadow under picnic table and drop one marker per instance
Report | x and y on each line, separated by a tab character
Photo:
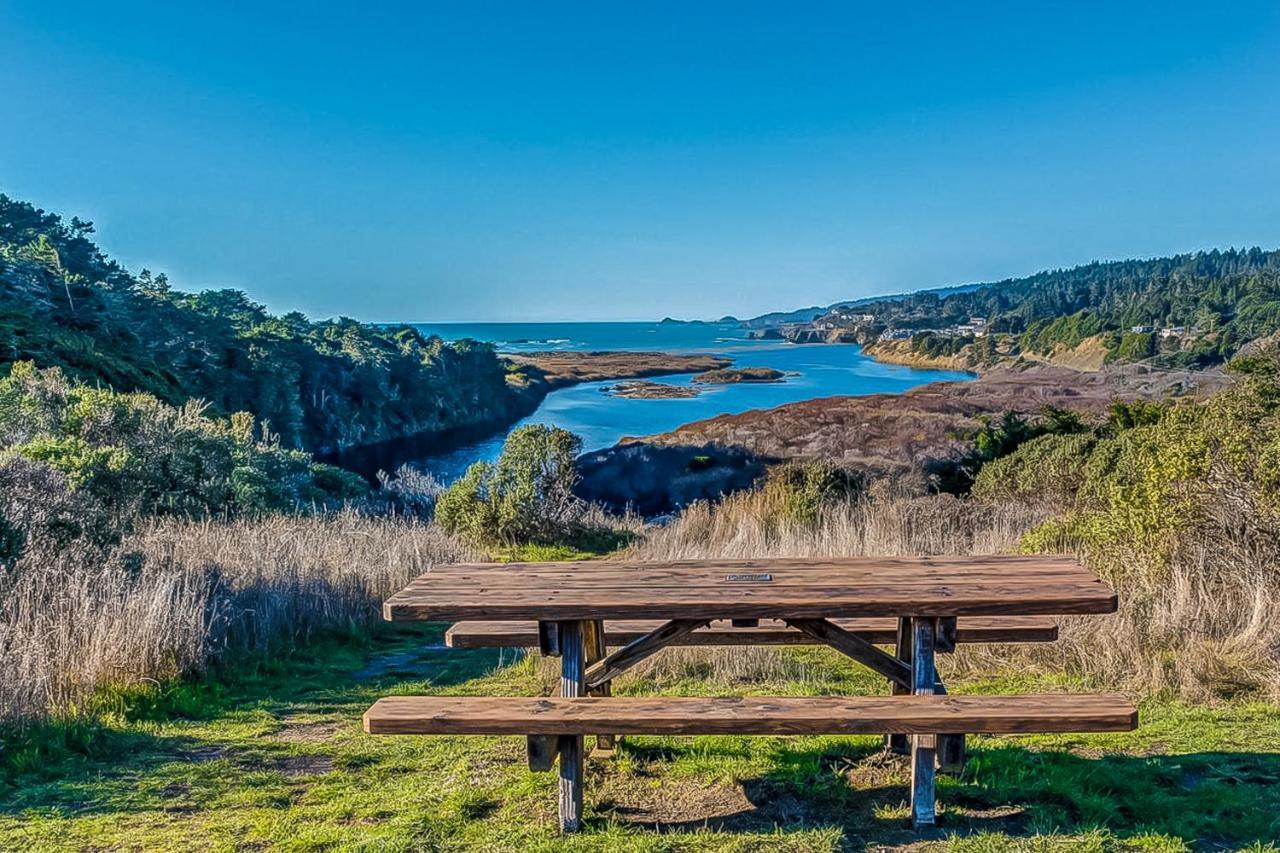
1223	798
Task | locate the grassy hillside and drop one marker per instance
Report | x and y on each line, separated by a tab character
322	386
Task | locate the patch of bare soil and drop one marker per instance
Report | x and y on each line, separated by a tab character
204	754
872	810
306	731
301	765
668	803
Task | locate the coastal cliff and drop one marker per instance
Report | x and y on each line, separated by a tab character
901	352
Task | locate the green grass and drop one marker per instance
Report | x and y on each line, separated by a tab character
273	758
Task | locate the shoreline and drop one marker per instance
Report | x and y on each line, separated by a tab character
538	374
543	373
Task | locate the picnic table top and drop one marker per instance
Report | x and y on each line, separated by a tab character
754	589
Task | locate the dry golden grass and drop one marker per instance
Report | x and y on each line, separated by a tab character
178	594
749	524
1207	627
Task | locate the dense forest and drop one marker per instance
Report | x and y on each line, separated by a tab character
1210	303
323	386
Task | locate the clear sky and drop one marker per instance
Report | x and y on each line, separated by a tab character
530	161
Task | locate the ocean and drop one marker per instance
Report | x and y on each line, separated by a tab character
824	370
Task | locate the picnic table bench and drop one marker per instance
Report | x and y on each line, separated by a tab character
921	606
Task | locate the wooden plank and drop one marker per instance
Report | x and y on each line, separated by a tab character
951	747
548	638
594	650
619	632
861	587
572	687
787	715
541	750
781	570
923	746
948	634
855	647
900	743
631	654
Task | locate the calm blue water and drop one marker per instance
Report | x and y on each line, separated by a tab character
824	370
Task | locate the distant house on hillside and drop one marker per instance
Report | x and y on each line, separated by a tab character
896	334
1142	330
1173	331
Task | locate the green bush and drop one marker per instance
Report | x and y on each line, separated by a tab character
1047	469
1134	346
998	437
129	455
798	492
526	497
1158	480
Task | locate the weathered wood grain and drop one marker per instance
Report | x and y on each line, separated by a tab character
924	745
845	588
595	651
572	687
789	715
767	632
541	750
951	747
900	743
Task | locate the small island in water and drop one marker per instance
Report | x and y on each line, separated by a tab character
640	389
731	375
643	389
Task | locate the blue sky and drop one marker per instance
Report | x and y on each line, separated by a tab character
477	161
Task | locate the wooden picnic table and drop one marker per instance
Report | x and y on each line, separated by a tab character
570	601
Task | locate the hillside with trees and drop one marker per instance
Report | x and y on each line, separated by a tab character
322	386
1190	310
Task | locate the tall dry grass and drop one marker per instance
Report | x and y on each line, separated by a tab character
749	525
1206	627
176	595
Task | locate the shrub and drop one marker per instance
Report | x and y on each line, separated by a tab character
998	437
798	493
118	457
525	497
1046	470
1191	473
410	491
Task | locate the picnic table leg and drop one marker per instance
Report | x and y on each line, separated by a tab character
923	747
900	743
950	746
595	650
572	669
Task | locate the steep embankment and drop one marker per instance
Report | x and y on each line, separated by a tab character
891	431
322	386
901	352
1089	356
